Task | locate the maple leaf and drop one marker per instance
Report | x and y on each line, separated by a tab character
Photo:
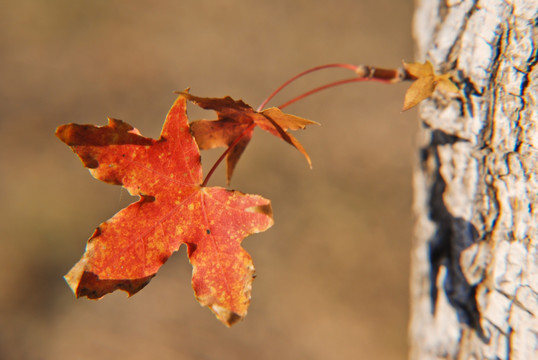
126	251
236	120
425	84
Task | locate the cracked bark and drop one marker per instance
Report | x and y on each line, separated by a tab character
474	276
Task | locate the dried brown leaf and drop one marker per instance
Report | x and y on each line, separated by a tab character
425	84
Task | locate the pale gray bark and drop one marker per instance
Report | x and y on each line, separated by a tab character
474	276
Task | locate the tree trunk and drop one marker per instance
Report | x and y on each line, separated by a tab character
474	276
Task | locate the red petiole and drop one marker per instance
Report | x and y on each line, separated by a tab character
344	66
219	160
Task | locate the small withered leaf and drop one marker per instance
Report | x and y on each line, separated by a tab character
425	84
236	119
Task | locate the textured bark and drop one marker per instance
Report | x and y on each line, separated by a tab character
474	276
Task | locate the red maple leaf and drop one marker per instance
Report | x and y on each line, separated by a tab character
126	251
236	122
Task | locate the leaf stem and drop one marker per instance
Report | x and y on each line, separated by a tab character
230	147
316	68
364	73
318	89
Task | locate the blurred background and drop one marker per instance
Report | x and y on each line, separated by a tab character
332	272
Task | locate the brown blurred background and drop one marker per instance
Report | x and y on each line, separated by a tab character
332	272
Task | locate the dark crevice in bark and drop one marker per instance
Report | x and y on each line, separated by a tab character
532	62
453	235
